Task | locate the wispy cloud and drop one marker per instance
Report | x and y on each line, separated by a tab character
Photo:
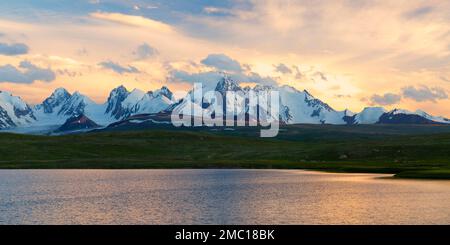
180	76
118	68
282	68
445	79
419	12
133	20
216	10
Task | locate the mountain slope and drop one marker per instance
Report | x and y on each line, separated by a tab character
14	112
403	117
77	123
114	103
305	108
368	115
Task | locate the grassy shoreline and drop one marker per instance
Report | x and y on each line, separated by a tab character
405	152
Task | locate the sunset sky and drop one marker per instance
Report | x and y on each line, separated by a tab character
349	53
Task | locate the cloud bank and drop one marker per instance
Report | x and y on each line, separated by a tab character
282	68
424	93
28	73
13	49
386	99
145	51
222	62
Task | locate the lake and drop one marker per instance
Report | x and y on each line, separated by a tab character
218	197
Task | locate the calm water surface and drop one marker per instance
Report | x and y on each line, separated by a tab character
218	197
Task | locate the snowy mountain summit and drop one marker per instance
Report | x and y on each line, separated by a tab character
295	107
14	112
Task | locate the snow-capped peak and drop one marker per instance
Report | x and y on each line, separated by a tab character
121	90
75	105
289	89
78	95
305	108
56	99
163	91
122	104
15	101
154	102
431	117
60	92
401	111
348	113
422	113
259	88
114	102
369	115
227	84
133	97
14	111
308	96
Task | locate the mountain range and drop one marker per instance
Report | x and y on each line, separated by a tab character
62	107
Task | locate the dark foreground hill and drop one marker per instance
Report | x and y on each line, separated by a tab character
408	151
80	122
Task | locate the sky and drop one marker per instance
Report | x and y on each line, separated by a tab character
348	53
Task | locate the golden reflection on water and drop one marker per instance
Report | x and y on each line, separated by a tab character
218	197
